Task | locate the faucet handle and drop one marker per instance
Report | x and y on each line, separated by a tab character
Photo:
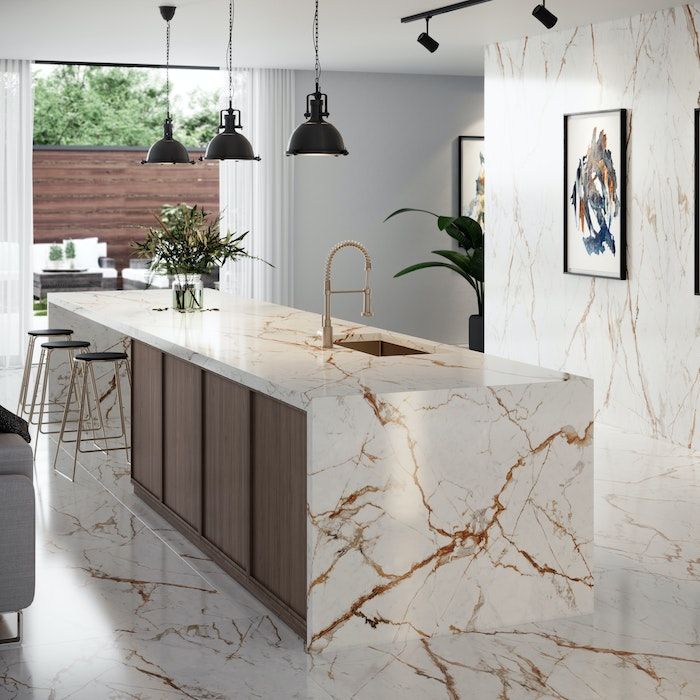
367	303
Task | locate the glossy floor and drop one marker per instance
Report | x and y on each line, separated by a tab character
125	608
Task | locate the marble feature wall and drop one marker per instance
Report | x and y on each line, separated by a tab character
438	512
638	339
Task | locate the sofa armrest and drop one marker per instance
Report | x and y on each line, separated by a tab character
17	554
16	456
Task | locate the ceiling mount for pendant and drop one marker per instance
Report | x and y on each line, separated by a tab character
167	12
229	144
167	149
316	136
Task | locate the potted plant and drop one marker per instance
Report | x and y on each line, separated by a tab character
186	244
56	256
70	254
467	263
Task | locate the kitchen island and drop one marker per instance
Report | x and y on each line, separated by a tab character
386	489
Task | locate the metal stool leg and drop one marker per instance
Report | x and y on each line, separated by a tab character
44	384
37	381
98	406
72	391
24	388
83	372
118	382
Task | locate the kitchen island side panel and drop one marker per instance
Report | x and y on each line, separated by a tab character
441	511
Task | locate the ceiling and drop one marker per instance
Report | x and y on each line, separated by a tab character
363	35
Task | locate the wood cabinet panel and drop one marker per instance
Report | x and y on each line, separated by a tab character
227	467
182	439
147	417
279	500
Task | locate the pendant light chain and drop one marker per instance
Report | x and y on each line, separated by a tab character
167	65
230	53
317	66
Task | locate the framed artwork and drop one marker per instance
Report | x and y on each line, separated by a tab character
595	194
697	201
471	177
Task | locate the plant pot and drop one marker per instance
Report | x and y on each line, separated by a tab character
188	293
476	333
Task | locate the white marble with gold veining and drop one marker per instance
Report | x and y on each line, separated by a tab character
276	350
638	339
436	483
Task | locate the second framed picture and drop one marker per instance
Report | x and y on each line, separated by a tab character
595	194
472	178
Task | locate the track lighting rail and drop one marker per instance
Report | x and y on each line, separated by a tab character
442	10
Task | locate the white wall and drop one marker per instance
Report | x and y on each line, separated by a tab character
638	339
401	132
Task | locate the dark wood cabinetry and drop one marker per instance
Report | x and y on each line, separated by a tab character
147	418
182	439
279	500
227	467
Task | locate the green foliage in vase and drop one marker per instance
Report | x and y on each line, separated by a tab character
468	263
70	250
55	253
188	241
111	106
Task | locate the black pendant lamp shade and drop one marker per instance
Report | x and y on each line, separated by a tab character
228	144
316	136
167	149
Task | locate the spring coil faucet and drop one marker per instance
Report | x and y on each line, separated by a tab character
327	328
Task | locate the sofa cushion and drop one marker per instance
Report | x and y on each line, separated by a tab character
10	423
17	553
15	456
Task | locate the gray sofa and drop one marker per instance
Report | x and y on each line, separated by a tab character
17	566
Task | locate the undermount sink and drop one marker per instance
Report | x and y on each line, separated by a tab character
379	348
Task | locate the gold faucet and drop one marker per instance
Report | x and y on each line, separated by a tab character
327	329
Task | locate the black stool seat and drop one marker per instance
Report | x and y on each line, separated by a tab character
101	356
65	344
50	331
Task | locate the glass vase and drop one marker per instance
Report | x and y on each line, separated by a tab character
188	293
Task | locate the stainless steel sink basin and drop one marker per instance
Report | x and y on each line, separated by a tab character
379	348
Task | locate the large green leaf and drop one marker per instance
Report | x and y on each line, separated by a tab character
460	260
471	230
425	265
476	264
403	211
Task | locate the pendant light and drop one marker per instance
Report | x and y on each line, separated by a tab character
167	149
316	137
228	144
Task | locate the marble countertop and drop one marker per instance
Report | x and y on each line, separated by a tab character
276	350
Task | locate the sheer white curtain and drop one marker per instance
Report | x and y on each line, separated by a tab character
16	229
258	196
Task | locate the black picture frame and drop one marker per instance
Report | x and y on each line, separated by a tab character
460	169
622	236
697	201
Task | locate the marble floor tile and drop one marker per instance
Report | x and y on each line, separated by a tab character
127	608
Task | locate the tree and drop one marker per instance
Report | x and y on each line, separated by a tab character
105	106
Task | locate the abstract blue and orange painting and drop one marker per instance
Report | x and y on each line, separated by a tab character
595	196
595	165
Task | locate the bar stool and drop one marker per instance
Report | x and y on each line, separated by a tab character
83	365
42	379
22	405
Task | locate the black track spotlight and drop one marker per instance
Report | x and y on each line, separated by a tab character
542	14
427	41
